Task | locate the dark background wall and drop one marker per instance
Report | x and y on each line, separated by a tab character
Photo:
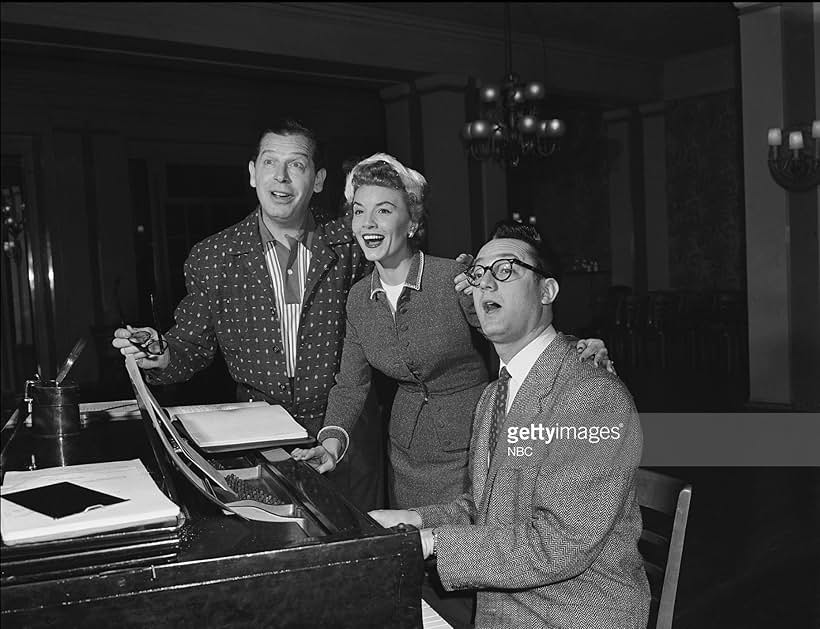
138	161
568	196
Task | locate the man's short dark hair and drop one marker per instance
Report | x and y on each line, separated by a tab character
545	257
292	126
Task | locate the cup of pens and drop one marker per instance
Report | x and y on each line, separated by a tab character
55	404
55	408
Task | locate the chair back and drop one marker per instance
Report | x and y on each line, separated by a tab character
664	502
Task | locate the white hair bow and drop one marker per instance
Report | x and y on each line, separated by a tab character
413	181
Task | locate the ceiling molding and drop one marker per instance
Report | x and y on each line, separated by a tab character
24	37
744	8
331	39
371	17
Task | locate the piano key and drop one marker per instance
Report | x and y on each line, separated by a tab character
430	618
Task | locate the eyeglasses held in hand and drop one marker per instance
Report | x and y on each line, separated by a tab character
146	343
144	340
501	270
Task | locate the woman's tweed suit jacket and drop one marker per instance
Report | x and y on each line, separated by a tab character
429	351
549	535
230	304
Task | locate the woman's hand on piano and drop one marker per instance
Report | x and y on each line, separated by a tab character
322	458
389	518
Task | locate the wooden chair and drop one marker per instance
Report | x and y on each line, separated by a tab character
664	503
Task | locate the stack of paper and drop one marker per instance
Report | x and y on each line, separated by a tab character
227	427
64	502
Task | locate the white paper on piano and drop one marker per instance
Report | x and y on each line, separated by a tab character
241	426
201	408
144	503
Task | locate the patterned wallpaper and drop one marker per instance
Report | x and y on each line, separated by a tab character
705	193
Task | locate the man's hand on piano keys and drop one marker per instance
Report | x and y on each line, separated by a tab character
389	518
322	458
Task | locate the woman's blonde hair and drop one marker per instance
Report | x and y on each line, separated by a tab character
385	170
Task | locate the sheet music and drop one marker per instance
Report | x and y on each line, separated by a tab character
141	502
430	618
241	425
201	408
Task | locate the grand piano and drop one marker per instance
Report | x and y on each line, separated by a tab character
328	565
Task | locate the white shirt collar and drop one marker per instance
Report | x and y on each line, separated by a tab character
520	364
413	279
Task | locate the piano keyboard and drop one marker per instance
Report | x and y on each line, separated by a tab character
430	618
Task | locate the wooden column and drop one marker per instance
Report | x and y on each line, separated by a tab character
779	64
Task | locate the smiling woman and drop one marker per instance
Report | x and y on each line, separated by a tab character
406	321
387	215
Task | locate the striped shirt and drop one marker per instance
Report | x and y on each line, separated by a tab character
288	268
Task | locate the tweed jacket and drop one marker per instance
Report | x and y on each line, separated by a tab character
428	350
548	536
230	305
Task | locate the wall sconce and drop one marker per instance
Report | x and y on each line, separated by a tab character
798	167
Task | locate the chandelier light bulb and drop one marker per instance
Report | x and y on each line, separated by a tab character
479	130
518	96
556	128
528	124
534	91
489	94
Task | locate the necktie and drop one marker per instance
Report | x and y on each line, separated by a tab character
499	409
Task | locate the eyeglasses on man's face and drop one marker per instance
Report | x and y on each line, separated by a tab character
146	343
501	270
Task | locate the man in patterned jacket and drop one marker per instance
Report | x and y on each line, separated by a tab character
548	531
270	293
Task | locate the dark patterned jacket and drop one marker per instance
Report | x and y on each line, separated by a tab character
549	536
230	304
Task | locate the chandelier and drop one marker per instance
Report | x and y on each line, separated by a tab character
510	125
798	167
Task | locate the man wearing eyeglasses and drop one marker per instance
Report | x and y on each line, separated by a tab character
548	532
